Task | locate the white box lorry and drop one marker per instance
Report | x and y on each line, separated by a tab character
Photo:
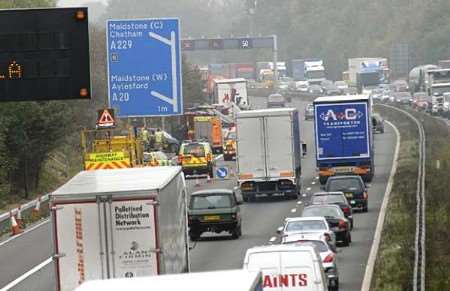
120	223
287	267
268	152
229	280
227	91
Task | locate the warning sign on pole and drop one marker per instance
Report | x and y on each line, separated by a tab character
106	118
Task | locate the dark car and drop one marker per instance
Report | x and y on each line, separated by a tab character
403	98
377	123
336	198
336	219
315	89
353	188
214	210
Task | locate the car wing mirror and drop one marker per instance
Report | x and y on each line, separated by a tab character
280	230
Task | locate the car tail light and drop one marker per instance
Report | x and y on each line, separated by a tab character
346	210
365	195
329	258
342	224
248	186
180	159
209	157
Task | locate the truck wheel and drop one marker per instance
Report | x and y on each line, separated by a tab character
323	179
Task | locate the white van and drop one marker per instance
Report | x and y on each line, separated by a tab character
287	267
235	280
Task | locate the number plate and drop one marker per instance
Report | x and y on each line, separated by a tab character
343	170
211	217
349	195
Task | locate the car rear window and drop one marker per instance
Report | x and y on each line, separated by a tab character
194	149
344	185
321	211
305	225
211	201
329	199
320	245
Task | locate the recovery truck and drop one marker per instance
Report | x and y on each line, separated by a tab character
119	224
268	153
227	91
209	128
343	136
111	149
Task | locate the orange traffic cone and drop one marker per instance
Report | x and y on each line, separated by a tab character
36	212
18	217
15	229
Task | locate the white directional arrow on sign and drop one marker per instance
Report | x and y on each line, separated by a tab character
170	42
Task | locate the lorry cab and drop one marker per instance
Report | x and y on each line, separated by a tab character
287	267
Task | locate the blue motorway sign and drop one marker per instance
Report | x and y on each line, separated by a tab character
342	131
222	172
144	67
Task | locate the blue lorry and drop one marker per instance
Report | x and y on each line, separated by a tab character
343	136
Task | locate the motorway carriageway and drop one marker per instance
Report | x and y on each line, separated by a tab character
259	219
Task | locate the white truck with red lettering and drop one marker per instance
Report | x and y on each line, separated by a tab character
287	267
120	224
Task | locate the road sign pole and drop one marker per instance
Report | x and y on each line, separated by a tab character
275	63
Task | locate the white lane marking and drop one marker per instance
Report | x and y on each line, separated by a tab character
377	237
299	202
308	189
304	195
293	210
272	239
25	231
317	178
27	274
313	182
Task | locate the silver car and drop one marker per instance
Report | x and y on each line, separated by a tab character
307	225
327	253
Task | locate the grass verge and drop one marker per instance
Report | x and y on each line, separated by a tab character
395	260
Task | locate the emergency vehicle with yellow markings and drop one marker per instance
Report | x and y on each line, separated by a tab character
209	128
229	145
111	149
196	158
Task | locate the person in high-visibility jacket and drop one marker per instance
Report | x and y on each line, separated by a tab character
159	139
145	139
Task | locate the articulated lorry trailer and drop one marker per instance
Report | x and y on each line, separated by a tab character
343	136
120	224
268	153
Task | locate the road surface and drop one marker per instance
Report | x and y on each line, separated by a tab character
260	220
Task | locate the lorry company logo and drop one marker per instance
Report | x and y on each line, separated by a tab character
285	280
347	115
131	217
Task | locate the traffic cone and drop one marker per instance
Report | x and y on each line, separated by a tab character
197	182
18	217
15	229
36	212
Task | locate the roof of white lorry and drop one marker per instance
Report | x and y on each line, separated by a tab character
266	112
236	280
341	98
226	81
118	180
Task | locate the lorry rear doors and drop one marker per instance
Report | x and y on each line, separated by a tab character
251	148
279	151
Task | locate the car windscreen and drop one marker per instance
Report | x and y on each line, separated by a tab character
305	225
194	149
344	185
328	199
211	201
322	211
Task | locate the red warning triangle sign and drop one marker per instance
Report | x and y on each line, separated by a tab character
106	118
